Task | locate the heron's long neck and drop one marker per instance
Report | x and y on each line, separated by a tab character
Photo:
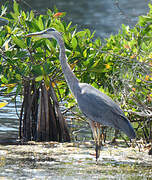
71	79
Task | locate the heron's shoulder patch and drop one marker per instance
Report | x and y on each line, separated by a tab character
84	87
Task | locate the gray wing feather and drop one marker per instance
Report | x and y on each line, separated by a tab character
100	108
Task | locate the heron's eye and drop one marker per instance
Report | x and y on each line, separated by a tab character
51	30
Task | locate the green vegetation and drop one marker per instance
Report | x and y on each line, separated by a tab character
120	67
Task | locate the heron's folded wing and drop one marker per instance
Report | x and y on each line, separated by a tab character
98	107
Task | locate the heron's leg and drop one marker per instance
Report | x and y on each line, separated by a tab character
94	130
96	134
98	142
102	135
115	137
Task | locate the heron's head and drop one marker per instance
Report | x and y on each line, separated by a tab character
48	33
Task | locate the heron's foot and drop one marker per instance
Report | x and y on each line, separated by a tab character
98	147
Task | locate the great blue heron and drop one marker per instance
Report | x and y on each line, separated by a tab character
95	105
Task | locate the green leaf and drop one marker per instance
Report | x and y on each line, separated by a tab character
80	34
59	26
19	42
38	43
85	53
18	77
36	70
88	32
40	23
39	78
49	12
3	19
138	80
94	84
9	30
4	9
18	89
16	9
33	25
31	15
23	16
3	79
46	67
74	42
47	81
98	42
68	26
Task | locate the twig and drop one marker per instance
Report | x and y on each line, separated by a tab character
141	114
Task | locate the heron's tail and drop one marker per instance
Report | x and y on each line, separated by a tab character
127	128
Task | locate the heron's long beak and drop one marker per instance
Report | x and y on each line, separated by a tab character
38	34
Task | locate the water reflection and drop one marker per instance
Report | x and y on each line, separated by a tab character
52	160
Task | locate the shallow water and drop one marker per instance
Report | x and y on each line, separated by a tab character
8	121
102	16
73	161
